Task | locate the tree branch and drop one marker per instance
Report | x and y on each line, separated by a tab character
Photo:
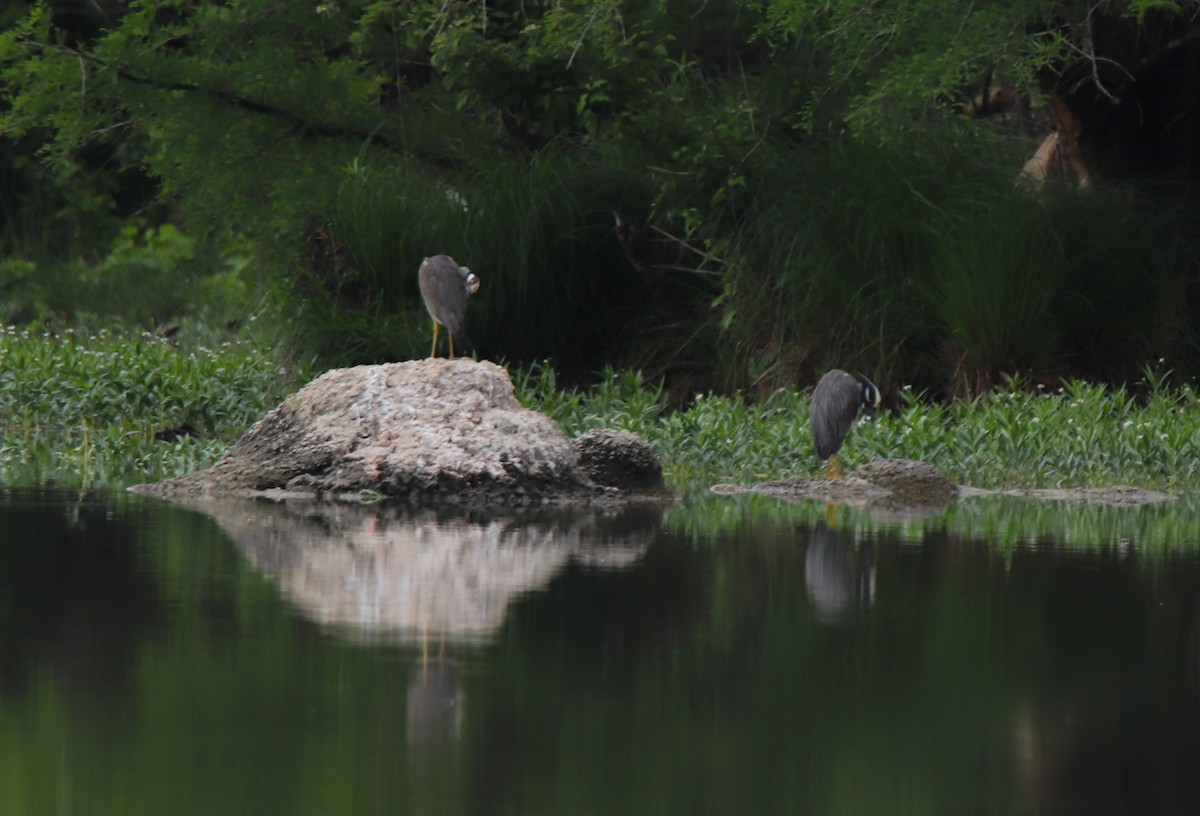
1167	49
322	129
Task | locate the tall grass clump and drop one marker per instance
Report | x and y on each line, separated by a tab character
354	297
545	235
829	260
82	409
1066	284
997	273
925	262
539	234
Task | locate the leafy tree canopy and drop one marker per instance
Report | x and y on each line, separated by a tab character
260	118
237	104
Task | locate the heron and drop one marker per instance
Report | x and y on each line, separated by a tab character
445	287
836	402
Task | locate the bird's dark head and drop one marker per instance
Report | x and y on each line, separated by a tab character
470	280
870	396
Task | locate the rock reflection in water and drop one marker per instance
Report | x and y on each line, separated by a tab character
423	575
839	582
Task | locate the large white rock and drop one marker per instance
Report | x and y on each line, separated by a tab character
426	430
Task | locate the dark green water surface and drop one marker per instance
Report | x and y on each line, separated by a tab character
731	656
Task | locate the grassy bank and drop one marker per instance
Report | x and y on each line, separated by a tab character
93	410
84	409
917	262
1079	435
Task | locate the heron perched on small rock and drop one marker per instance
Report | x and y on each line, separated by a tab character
836	402
445	287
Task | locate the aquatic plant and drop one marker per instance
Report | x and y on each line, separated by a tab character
85	409
1079	435
1007	524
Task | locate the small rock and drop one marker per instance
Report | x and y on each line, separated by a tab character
909	481
620	459
889	486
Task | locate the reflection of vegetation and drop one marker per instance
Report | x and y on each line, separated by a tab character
1004	523
916	706
701	679
227	704
1009	524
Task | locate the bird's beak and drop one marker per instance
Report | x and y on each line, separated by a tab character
874	404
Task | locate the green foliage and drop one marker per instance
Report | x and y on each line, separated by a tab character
1075	283
911	57
149	278
539	236
264	127
551	67
84	410
920	261
622	400
1080	436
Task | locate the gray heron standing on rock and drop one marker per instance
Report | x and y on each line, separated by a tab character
445	287
836	402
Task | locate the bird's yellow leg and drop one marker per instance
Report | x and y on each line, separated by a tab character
433	351
832	471
837	467
450	337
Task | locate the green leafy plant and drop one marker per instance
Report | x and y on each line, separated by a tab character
85	409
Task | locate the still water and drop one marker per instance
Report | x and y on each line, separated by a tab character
731	656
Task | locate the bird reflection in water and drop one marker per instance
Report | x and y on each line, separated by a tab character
839	582
434	707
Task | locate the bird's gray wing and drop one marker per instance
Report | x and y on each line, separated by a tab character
443	292
427	277
834	407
